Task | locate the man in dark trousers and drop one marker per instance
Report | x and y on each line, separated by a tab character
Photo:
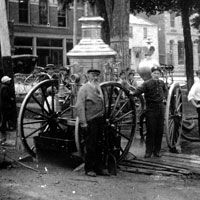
90	109
6	106
155	91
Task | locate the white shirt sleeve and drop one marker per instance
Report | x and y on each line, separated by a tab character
194	92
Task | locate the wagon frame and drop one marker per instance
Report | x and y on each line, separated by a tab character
58	124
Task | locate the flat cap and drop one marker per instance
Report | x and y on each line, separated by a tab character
156	68
94	71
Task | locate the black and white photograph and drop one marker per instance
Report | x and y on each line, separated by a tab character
99	100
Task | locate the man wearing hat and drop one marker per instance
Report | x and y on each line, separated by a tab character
194	96
90	109
155	92
6	105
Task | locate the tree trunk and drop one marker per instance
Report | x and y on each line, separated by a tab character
103	10
188	44
115	28
120	32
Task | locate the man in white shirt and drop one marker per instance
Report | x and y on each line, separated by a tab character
194	96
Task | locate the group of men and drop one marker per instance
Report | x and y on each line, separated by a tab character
90	109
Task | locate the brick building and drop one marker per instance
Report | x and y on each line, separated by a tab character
43	28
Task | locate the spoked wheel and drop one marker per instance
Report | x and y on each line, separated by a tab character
40	115
120	118
33	79
174	116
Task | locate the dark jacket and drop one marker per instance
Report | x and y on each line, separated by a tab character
6	99
155	91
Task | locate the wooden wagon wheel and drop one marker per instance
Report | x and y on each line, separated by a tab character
33	79
35	119
120	118
174	116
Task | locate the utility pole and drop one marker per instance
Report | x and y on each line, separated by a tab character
5	42
6	48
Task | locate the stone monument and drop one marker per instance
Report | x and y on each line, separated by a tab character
91	52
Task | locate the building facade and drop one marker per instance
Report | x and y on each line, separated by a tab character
142	35
43	28
171	42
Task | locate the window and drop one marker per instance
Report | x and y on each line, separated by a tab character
43	11
49	51
172	20
130	32
145	33
23	11
23	45
171	45
181	52
23	41
49	56
44	42
62	17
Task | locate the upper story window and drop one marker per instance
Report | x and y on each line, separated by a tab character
23	11
130	31
172	20
181	52
62	17
144	32
171	50
43	11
